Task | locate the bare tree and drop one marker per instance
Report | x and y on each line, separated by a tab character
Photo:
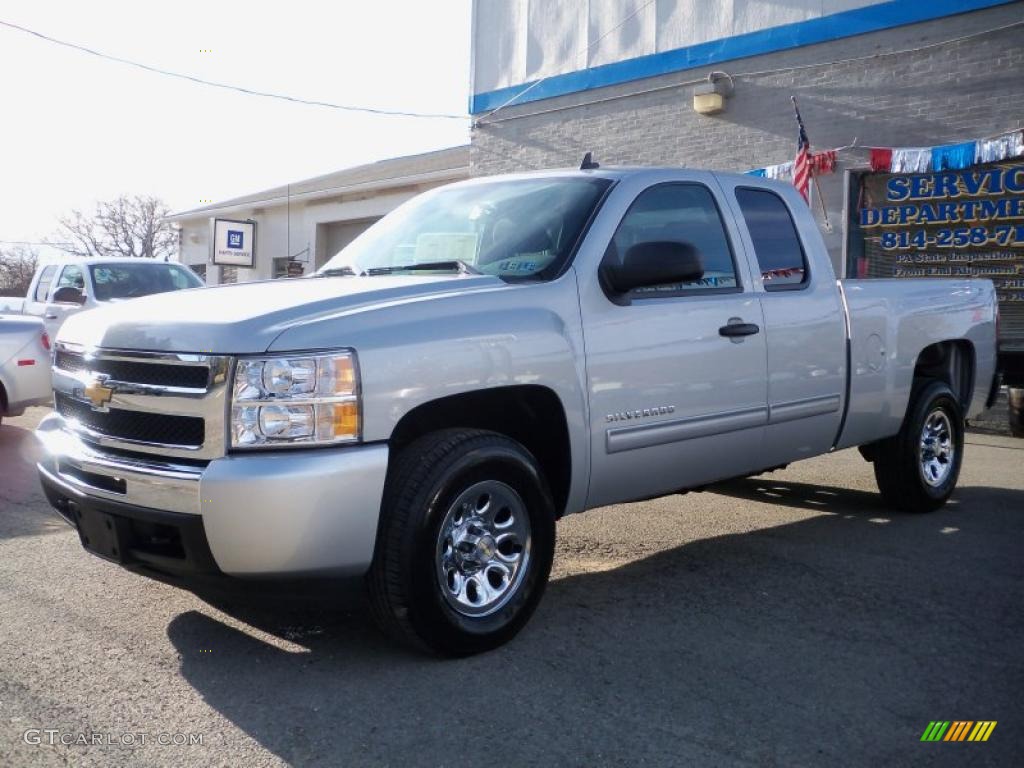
128	226
17	265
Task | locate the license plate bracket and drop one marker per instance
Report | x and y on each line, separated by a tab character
102	534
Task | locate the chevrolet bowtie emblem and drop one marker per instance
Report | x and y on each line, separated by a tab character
98	394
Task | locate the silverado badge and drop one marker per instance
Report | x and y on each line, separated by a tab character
641	413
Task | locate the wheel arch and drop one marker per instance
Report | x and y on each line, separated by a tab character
951	361
531	414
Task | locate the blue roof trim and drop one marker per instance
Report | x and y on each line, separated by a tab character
872	18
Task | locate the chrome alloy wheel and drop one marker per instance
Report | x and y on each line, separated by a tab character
483	548
936	450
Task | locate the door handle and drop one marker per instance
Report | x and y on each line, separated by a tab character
733	330
50	317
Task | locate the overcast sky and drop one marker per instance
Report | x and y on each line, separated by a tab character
77	129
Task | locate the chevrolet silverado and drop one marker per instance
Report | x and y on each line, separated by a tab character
488	358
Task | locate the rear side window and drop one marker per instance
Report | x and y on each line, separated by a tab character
43	286
780	256
682	212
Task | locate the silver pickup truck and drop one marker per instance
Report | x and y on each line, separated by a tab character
491	356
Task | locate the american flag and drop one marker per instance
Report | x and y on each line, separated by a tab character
802	163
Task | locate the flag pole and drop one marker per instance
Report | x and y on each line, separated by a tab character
814	176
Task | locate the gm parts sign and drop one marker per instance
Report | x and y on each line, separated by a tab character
964	223
234	243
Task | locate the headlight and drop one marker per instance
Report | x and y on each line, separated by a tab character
295	399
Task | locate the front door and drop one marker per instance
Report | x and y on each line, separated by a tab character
677	398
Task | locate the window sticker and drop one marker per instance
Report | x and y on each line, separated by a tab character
446	246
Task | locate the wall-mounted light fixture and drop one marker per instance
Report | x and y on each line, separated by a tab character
709	98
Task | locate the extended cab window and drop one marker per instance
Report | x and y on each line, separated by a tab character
684	213
780	256
44	283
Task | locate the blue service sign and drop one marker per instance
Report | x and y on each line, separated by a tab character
964	223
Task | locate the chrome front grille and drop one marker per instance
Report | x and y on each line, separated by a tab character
137	426
167	404
135	371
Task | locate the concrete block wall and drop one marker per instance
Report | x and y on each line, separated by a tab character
944	92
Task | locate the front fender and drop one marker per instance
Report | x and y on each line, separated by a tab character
415	352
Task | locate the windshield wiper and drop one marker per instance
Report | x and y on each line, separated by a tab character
336	272
425	266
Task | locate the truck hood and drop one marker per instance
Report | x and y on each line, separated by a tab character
246	318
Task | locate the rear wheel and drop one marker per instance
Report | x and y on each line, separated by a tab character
917	469
465	542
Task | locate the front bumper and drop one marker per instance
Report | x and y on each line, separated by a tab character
289	513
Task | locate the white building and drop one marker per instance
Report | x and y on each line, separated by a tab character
309	221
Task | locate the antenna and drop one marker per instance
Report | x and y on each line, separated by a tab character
588	163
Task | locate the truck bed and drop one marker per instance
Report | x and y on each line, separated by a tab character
890	321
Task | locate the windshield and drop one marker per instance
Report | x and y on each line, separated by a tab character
128	281
523	228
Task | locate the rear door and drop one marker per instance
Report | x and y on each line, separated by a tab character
35	302
674	403
805	325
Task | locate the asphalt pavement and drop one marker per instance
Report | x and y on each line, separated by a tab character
789	619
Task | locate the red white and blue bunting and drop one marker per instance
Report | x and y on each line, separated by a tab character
945	157
821	163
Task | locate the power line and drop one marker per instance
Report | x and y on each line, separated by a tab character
32	242
225	86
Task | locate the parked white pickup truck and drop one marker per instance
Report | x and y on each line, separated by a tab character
58	291
492	356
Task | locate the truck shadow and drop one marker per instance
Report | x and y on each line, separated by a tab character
772	490
831	640
850	502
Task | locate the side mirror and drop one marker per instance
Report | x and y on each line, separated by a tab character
68	294
654	263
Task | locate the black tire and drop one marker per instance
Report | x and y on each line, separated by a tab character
898	460
1015	403
424	482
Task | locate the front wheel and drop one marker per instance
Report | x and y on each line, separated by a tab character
465	542
917	469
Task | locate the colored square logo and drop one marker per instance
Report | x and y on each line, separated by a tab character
234	239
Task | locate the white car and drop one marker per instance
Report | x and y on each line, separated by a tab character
60	290
24	364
